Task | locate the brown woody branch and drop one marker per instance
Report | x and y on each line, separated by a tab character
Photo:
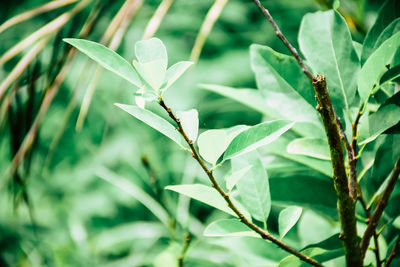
382	203
346	203
263	233
184	250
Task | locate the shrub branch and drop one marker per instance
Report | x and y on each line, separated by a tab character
263	233
382	203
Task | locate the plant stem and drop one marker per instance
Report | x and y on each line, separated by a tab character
346	204
184	249
393	252
263	233
382	203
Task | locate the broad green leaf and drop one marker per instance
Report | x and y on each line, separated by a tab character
375	66
168	257
136	192
153	73
322	166
212	144
391	74
254	188
155	122
287	219
325	41
190	123
207	195
312	147
256	136
107	58
151	50
389	11
318	254
232	179
174	72
229	227
385	117
388	32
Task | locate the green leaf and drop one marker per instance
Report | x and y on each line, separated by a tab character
155	122
207	195
375	66
287	219
389	11
169	256
136	192
190	123
232	179
388	32
325	41
212	144
312	147
254	190
107	58
336	4
174	72
391	74
256	136
229	227
153	73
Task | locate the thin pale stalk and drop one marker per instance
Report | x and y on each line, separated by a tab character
184	250
156	19
208	23
263	233
34	12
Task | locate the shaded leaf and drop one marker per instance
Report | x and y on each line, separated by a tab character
107	58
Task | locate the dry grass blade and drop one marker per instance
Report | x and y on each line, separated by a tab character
34	12
116	31
46	30
208	23
156	19
21	66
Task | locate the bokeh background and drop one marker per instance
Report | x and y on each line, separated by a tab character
77	173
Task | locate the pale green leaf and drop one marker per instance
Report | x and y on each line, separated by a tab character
229	227
168	257
254	188
190	123
256	136
136	192
153	73
107	58
312	147
287	219
375	66
207	195
212	144
155	122
174	72
232	179
325	41
151	50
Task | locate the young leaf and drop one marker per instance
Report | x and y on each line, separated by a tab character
232	179
254	188
152	73
312	147
174	72
107	58
155	122
212	144
256	136
287	219
375	66
228	227
325	41
389	11
207	195
190	123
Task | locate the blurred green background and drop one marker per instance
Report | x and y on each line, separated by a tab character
55	208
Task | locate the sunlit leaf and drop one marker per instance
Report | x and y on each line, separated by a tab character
287	219
312	147
155	122
107	58
256	136
174	72
229	227
232	179
325	41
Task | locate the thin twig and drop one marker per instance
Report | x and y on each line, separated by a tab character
382	203
184	249
278	33
393	253
263	233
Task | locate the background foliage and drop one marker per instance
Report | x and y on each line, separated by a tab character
90	187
